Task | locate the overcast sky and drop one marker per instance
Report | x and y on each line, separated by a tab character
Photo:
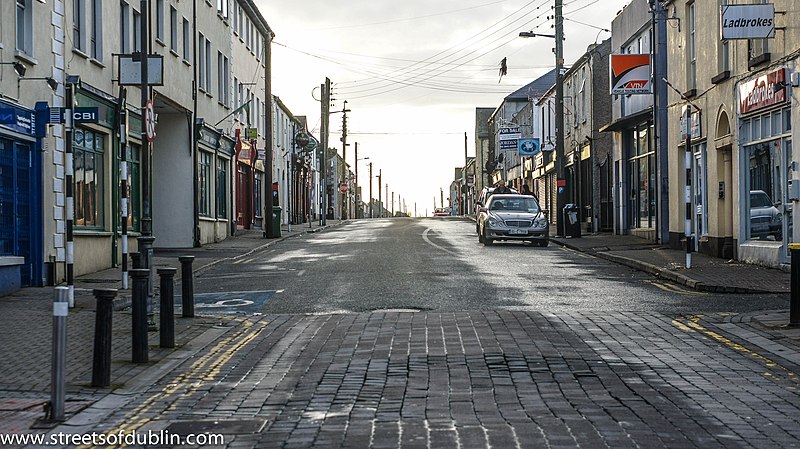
413	72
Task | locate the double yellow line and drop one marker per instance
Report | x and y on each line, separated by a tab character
204	369
672	288
774	370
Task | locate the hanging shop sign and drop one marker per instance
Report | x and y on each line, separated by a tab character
747	21
17	119
630	74
509	137
762	92
130	70
529	147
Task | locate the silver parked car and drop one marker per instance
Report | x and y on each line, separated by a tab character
513	217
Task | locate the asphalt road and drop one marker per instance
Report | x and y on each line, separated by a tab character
437	264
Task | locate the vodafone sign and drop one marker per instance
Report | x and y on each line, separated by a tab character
760	93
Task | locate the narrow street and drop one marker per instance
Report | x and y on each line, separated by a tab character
408	333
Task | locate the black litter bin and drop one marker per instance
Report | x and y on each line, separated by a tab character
276	221
572	223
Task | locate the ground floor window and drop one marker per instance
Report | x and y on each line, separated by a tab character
88	148
641	177
204	183
257	193
134	185
700	189
767	155
222	188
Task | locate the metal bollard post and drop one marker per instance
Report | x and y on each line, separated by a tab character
187	286
101	360
167	316
136	260
146	248
139	315
59	364
794	304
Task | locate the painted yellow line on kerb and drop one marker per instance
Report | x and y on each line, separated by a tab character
214	359
693	324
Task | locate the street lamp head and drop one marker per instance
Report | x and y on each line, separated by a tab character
52	83
19	68
532	34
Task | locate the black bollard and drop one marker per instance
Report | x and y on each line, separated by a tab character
139	315
101	360
167	316
794	304
187	286
136	260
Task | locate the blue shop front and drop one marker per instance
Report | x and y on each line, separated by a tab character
20	199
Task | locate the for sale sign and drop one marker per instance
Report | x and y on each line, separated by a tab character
630	74
747	21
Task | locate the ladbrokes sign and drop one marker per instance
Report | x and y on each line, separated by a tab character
760	93
748	21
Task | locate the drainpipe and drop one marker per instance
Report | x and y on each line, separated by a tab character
195	201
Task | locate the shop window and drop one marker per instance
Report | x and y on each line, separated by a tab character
222	188
257	186
88	148
204	183
134	186
765	196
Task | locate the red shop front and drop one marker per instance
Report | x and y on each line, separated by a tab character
245	180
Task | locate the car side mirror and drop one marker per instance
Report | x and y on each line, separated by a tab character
482	209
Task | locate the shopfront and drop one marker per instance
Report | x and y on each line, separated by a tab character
20	199
765	148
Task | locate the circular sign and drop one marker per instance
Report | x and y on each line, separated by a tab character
301	139
150	121
343	188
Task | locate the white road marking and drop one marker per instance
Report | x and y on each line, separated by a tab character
427	240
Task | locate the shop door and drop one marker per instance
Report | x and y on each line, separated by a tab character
15	202
244	199
700	194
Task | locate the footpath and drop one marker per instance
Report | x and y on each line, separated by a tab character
708	274
26	333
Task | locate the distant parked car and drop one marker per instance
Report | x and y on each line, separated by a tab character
401	214
441	212
513	217
765	218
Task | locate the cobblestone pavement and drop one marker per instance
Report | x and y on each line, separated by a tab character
475	379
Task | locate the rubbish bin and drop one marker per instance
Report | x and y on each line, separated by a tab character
276	221
572	224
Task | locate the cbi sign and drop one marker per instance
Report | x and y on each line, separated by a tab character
79	115
747	21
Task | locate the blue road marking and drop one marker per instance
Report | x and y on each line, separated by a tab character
230	302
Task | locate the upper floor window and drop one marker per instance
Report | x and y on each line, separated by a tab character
583	94
78	25
222	8
160	20
25	26
96	34
691	54
173	29
201	63
124	28
137	31
187	41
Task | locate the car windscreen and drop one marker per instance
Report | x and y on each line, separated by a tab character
516	204
759	199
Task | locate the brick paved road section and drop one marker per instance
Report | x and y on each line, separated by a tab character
480	379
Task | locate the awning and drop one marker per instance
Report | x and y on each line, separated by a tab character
628	120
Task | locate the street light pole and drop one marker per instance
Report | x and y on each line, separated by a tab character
370	191
561	183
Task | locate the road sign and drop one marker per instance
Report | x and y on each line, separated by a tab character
150	120
343	188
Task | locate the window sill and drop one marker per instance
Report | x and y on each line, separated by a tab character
758	60
691	93
209	95
721	77
80	53
174	53
21	55
97	62
206	218
93	233
160	42
188	64
222	219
